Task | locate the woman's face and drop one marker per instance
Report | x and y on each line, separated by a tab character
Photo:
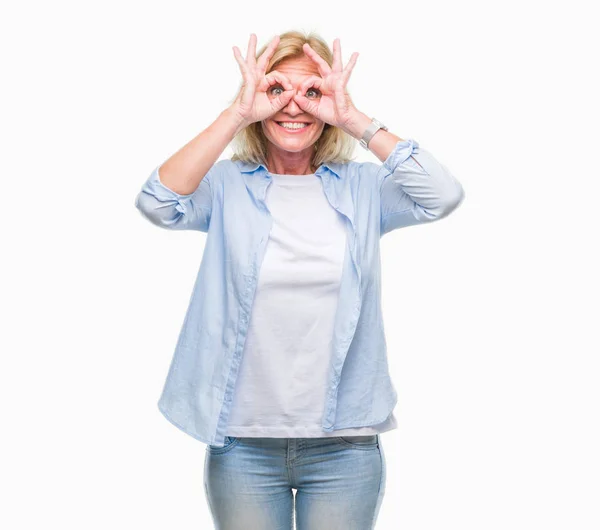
294	140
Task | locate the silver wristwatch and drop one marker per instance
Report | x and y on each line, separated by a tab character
373	127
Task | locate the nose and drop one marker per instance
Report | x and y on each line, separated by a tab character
292	108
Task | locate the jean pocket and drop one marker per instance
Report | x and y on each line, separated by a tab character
230	442
368	441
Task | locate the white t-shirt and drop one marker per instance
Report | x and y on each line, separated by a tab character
281	386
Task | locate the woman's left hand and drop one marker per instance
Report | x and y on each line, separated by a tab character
333	105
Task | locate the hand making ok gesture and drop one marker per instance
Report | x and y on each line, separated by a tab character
253	103
334	106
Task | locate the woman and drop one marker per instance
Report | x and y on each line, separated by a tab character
288	291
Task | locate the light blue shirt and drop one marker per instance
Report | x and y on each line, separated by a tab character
410	187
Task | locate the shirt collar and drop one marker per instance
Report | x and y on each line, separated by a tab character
249	167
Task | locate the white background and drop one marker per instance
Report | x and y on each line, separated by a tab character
490	314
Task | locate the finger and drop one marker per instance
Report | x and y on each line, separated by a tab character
251	57
324	68
337	56
277	77
313	81
282	100
240	60
349	67
340	97
264	59
306	104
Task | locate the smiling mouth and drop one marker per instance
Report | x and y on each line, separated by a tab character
305	125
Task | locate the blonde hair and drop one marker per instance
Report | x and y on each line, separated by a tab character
334	145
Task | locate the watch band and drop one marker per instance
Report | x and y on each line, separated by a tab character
373	127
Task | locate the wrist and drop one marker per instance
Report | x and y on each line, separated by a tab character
236	121
357	125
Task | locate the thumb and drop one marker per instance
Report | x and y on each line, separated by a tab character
306	104
283	99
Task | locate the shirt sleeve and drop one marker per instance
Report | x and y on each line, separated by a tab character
416	188
168	209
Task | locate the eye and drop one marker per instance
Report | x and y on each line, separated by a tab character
315	91
276	87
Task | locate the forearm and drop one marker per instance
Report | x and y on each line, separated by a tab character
415	190
184	170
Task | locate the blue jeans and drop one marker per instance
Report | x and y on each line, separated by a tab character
339	483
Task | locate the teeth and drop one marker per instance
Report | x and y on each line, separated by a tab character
288	125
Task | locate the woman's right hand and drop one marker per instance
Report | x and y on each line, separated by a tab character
255	102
